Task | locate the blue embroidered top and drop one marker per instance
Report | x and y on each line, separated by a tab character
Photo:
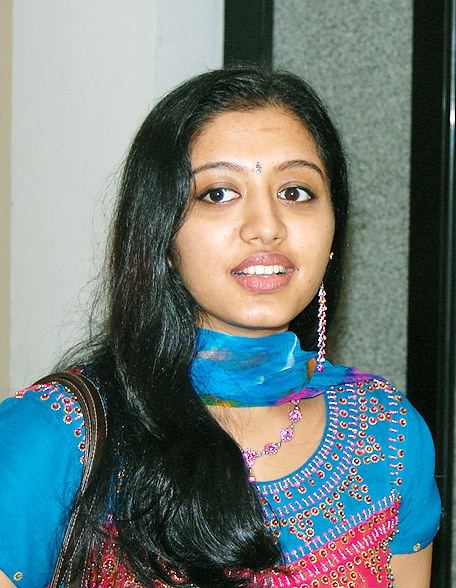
368	486
41	453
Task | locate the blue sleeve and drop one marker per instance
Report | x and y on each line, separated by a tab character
41	446
420	509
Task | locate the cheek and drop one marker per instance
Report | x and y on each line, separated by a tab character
314	238
198	249
325	234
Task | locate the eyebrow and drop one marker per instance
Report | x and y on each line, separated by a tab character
301	163
239	168
218	165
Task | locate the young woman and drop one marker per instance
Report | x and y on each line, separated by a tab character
236	453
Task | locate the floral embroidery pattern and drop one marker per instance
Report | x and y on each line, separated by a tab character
359	558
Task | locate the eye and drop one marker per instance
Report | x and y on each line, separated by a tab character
296	194
219	195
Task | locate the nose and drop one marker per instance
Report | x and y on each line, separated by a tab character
262	220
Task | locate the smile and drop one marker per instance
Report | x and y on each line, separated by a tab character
264	273
259	270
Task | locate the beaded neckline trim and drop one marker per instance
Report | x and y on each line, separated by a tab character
330	436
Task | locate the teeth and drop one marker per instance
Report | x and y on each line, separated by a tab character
262	270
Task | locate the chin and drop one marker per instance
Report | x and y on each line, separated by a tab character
267	320
259	326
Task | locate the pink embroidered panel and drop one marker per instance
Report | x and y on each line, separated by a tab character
360	558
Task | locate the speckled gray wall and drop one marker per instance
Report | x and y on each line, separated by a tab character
357	54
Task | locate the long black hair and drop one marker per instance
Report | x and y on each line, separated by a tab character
173	479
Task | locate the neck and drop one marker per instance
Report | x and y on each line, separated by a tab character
249	427
256	426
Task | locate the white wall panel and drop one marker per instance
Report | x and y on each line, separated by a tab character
84	76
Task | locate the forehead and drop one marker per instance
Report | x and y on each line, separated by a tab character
268	132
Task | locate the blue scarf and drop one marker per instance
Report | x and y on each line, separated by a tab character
266	371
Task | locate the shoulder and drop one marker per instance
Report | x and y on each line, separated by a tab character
46	413
380	401
42	437
386	415
382	408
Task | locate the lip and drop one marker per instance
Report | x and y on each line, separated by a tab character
266	283
264	259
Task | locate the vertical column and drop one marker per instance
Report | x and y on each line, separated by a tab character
248	31
5	189
432	264
358	55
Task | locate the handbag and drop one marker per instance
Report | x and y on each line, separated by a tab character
88	396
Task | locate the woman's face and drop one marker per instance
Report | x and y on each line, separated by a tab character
255	243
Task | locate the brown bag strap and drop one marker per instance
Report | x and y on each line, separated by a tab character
89	399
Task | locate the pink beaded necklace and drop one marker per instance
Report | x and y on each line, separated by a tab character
286	434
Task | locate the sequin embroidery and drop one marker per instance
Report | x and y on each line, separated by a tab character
61	400
333	522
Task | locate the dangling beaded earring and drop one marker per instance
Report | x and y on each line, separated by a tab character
322	308
321	328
